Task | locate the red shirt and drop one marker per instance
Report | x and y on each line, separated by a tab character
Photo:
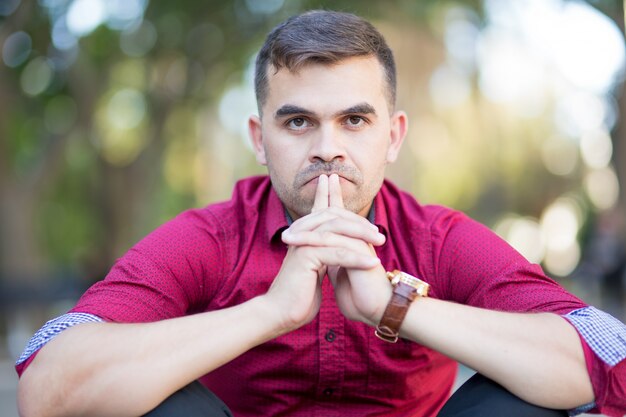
227	253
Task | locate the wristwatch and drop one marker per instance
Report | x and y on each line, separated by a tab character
406	288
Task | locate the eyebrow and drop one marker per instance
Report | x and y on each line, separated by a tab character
361	108
290	110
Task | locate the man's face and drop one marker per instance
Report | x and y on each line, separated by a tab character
328	119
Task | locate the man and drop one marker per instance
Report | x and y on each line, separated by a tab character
279	300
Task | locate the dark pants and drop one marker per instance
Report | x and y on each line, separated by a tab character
478	397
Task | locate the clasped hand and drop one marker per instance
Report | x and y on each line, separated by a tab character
335	242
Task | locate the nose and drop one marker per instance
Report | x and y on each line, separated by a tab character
327	146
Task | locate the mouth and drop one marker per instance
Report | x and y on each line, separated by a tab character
315	180
310	175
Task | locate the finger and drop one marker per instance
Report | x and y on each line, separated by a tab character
321	194
336	273
321	274
329	239
324	235
341	256
316	219
334	191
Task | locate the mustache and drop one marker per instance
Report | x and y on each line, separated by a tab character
313	171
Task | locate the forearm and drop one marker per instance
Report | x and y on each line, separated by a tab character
128	369
538	357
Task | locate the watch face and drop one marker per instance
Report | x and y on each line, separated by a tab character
421	287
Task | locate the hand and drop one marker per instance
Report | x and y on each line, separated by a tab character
361	292
335	237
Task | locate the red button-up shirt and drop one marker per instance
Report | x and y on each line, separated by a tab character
227	253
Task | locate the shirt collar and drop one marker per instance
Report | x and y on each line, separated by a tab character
378	213
277	220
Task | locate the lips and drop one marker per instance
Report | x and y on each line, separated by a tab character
314	177
312	173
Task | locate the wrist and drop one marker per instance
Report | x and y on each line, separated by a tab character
265	308
281	317
406	289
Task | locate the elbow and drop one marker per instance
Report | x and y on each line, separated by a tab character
29	401
38	398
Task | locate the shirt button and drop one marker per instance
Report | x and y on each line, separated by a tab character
328	392
330	336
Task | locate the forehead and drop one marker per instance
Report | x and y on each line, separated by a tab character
328	87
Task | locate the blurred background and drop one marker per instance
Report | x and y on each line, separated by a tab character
115	115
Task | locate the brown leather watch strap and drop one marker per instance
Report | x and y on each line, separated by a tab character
389	327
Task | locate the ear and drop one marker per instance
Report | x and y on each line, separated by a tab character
398	129
256	135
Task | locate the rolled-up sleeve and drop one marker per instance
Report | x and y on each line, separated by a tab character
49	331
604	340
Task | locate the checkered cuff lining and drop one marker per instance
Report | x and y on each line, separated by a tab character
604	334
52	329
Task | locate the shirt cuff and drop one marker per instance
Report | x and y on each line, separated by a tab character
604	335
582	409
51	329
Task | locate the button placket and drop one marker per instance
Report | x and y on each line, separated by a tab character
331	346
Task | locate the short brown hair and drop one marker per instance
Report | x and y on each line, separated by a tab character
325	37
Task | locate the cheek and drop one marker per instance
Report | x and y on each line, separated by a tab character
281	165
371	159
286	155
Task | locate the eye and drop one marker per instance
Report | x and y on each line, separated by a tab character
298	123
355	121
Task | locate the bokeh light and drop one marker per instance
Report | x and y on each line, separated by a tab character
562	262
596	148
7	7
510	73
264	6
139	40
578	112
83	16
560	223
559	155
126	109
122	126
237	104
62	38
602	187
17	48
576	54
523	234
124	14
461	37
449	87
37	76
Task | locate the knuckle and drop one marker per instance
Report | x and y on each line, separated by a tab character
326	235
342	253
